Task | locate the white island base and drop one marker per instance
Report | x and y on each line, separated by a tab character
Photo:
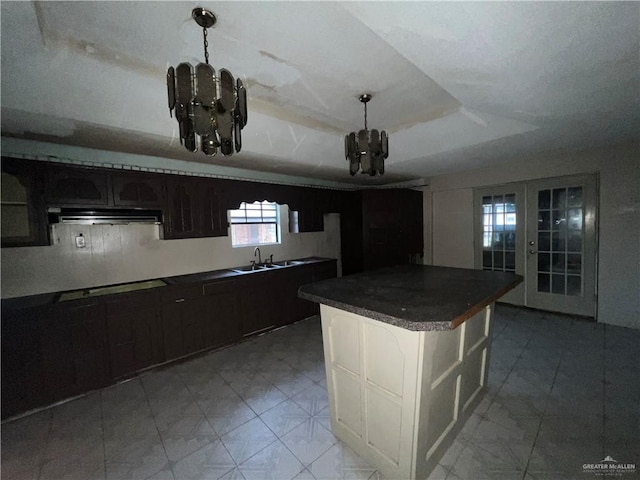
399	397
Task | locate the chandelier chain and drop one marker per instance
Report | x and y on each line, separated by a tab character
365	116
206	45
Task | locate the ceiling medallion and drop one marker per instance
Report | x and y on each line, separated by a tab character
211	110
366	150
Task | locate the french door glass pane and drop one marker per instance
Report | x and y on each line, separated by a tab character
560	238
499	232
544	283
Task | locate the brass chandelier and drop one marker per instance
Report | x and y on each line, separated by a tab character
364	150
211	111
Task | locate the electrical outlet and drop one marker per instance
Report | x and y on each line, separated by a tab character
80	241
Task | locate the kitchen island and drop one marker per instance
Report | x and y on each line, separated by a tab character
406	354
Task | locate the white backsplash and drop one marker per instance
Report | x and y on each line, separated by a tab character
124	253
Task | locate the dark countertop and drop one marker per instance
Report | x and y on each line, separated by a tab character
228	272
414	297
45	299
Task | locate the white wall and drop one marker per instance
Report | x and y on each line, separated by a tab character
452	245
125	253
449	209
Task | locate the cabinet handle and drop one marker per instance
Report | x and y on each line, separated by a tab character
180	300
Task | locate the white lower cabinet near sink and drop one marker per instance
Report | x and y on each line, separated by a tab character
399	397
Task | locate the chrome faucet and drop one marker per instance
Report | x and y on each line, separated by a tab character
257	251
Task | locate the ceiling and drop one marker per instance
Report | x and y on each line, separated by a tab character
456	85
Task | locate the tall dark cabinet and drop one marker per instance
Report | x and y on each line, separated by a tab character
380	228
391	227
351	233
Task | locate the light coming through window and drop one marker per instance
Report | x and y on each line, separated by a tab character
255	224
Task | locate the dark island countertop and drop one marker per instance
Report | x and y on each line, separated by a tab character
414	297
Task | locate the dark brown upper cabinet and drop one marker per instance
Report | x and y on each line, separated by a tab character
213	210
76	186
182	214
311	219
137	190
21	207
307	208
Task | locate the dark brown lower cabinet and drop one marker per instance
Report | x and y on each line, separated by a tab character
57	351
304	308
23	386
52	353
182	321
74	350
220	320
287	300
134	333
257	308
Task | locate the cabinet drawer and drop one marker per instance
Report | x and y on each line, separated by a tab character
131	303
179	294
214	288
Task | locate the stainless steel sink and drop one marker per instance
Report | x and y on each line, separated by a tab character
286	263
248	268
266	266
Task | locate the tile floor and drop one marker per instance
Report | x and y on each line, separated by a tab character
561	393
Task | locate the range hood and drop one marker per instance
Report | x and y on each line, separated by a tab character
90	216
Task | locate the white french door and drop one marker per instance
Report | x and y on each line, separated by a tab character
561	245
500	233
544	230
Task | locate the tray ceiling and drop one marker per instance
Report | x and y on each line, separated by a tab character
457	85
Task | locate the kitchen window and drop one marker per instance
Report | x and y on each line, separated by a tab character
256	223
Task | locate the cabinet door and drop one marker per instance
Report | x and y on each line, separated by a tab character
137	190
23	386
287	297
182	214
305	308
257	309
392	227
221	319
76	186
325	270
182	321
133	332
74	350
213	209
351	240
311	219
22	208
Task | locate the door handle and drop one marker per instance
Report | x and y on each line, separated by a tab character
180	300
532	252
